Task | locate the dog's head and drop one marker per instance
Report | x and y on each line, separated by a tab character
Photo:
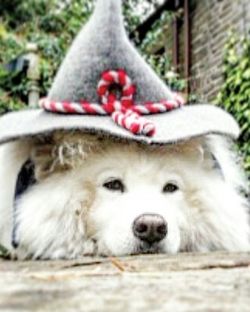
112	198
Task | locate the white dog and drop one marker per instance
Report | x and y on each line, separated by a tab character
97	196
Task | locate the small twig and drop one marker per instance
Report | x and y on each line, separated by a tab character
117	263
83	264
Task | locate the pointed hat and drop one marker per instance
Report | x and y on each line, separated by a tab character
104	86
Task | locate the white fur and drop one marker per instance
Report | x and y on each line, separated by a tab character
69	213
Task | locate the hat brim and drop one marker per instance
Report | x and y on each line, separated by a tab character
178	125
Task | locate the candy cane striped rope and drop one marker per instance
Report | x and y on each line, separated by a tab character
124	112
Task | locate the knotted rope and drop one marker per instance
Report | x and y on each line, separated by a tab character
123	111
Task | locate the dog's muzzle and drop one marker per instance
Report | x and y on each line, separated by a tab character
150	228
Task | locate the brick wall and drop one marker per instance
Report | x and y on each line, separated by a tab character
211	21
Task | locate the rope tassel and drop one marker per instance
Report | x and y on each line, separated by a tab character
134	123
123	111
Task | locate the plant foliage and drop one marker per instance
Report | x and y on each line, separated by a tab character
52	25
235	93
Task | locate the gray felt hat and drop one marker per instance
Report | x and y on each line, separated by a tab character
100	58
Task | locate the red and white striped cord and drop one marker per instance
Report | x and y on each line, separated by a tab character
124	112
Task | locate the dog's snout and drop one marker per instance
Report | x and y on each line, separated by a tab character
150	228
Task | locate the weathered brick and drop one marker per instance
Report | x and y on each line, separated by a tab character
210	24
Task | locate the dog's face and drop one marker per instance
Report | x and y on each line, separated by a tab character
123	199
138	204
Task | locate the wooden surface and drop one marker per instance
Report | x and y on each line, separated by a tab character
186	282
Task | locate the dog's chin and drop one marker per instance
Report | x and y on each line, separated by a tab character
145	248
135	248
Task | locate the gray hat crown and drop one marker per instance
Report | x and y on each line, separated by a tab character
103	45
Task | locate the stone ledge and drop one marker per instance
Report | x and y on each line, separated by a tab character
185	282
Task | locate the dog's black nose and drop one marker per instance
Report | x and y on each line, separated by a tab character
150	228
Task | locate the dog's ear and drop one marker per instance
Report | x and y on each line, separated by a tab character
209	159
42	160
46	160
61	152
202	154
197	151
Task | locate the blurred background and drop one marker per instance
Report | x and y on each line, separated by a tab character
201	48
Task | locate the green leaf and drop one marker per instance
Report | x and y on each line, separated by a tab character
4	253
246	74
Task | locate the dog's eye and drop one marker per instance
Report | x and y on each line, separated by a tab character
170	188
114	185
